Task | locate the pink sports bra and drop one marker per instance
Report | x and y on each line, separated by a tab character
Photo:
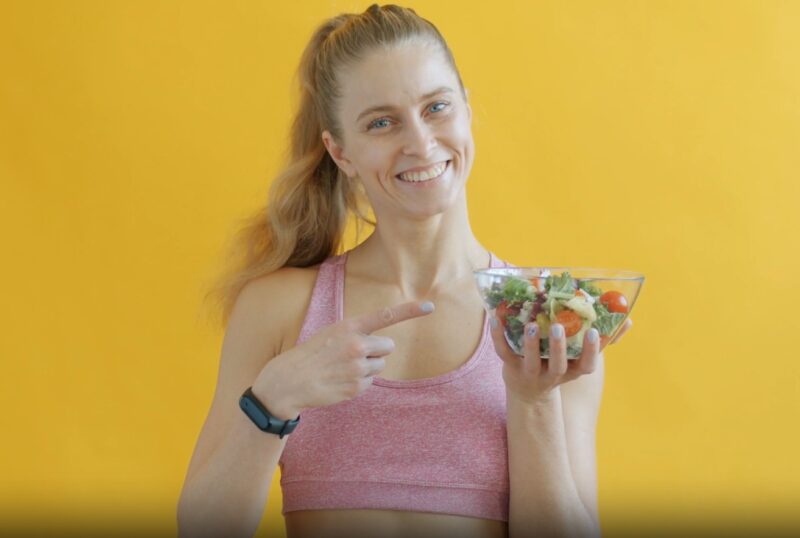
425	445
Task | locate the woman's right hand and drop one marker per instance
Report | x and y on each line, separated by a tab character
335	364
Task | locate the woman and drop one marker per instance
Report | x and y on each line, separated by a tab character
411	423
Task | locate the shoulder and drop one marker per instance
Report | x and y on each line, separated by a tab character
281	284
264	310
277	303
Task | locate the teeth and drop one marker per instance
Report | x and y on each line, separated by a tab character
425	175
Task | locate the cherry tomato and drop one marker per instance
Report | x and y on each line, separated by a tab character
503	310
614	301
571	321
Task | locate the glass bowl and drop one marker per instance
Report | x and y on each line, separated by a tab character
578	298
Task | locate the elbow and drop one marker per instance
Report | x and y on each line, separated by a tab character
193	521
184	519
591	529
197	521
590	526
184	510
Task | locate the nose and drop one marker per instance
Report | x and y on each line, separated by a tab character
420	138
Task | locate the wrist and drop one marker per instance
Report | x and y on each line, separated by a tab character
542	401
277	407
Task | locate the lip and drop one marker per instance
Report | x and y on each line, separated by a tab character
421	168
429	183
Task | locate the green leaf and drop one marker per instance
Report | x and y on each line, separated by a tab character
494	295
516	290
514	330
590	288
606	322
562	286
544	346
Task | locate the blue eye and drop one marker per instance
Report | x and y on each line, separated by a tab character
376	124
373	124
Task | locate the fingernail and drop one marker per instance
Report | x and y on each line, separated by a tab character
493	321
532	330
557	331
427	306
593	336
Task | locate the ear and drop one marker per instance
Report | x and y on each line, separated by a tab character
337	154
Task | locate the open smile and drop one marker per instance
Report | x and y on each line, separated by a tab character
425	176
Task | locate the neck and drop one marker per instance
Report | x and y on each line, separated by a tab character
420	257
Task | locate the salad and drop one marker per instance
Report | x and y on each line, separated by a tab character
577	304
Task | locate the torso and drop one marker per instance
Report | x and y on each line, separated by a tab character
420	352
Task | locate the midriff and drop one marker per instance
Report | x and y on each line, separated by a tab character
388	524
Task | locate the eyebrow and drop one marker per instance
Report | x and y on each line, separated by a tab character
381	108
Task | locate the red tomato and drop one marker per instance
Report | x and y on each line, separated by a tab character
615	302
571	321
503	310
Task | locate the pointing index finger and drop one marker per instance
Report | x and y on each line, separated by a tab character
374	321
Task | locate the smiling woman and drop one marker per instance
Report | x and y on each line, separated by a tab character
411	146
435	444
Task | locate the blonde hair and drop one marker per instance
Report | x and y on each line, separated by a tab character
311	199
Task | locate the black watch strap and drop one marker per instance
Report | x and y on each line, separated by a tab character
262	418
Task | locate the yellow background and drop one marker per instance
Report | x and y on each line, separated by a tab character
659	136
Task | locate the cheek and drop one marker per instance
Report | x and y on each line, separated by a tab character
372	160
460	135
460	128
374	153
461	141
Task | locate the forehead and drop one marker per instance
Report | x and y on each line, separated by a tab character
395	77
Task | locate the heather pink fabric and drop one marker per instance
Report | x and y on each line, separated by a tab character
425	445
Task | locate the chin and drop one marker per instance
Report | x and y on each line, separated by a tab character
434	209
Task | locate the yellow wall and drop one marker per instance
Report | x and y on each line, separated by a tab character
659	136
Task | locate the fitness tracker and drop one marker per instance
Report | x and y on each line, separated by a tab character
261	417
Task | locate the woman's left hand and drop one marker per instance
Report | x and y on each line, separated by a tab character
532	379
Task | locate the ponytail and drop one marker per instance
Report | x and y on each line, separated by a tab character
311	199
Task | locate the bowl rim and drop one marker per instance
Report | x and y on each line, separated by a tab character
626	274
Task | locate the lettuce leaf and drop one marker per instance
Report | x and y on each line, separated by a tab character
516	290
514	329
606	322
494	295
561	287
544	346
590	288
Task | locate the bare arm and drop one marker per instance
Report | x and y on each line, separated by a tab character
231	470
229	476
226	497
552	419
544	496
580	402
552	415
